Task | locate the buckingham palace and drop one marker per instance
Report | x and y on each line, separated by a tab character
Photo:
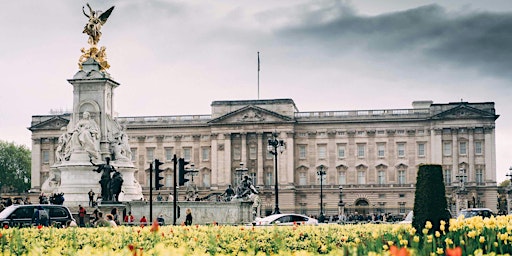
365	161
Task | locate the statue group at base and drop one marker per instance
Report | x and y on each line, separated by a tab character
247	191
110	184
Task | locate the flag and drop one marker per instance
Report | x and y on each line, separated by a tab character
258	61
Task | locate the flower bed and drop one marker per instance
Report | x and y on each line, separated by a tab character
472	236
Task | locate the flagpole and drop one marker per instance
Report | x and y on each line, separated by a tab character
258	75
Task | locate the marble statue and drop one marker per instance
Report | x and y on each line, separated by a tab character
85	136
96	20
63	151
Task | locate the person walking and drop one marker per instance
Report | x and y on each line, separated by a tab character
81	216
41	217
188	218
91	198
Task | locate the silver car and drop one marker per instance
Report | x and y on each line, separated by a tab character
285	219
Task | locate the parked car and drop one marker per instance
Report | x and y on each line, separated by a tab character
472	212
21	215
408	218
285	219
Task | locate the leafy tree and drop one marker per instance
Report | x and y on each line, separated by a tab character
15	167
430	200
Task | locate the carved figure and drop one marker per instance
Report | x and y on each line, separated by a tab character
63	151
115	185
86	135
106	195
256	203
245	188
96	20
121	148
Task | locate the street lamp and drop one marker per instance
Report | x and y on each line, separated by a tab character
321	173
274	147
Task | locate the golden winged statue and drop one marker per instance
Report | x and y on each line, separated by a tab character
93	29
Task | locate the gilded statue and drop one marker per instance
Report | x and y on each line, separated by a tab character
93	29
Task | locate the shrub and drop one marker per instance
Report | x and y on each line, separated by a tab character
430	200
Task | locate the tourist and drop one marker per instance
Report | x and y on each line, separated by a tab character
81	216
115	215
161	220
143	221
110	219
188	218
41	217
129	218
91	198
101	221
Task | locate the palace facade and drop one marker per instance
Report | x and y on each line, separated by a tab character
370	157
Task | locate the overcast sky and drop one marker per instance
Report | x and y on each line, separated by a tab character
176	57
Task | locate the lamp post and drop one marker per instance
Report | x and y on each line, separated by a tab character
274	147
461	192
321	173
341	206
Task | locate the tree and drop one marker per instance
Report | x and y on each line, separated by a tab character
430	199
15	164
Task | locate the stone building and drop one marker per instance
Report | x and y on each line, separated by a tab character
370	157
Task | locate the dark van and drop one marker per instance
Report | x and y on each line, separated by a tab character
21	215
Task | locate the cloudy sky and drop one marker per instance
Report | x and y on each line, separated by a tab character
176	57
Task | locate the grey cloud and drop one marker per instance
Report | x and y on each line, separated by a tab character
478	40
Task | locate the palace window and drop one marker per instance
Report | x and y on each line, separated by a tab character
381	149
447	149
463	149
479	175
302	151
361	148
341	151
302	178
168	180
46	156
187	154
169	153
361	177
342	178
401	177
478	148
381	177
254	178
322	151
150	154
206	179
447	173
400	149
269	179
236	152
421	149
134	154
205	154
252	151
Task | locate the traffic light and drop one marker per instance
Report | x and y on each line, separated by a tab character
182	171
157	175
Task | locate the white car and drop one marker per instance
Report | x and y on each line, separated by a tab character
285	219
408	218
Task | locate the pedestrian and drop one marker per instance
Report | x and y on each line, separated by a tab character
161	220
101	221
129	218
159	197
115	215
81	216
41	217
188	218
110	219
143	221
91	198
170	198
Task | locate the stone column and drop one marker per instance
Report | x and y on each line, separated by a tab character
471	155
243	153
226	173
455	153
290	148
262	150
436	146
215	160
35	171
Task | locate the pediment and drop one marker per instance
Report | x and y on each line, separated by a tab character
250	114
52	123
464	111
